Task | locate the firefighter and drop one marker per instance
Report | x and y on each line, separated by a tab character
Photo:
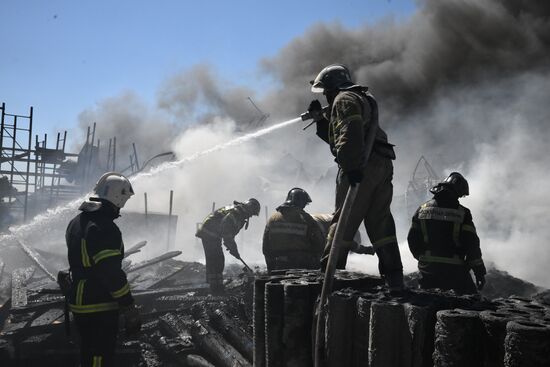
292	238
100	290
443	239
345	127
223	224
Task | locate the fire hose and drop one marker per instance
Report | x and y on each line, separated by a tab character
337	243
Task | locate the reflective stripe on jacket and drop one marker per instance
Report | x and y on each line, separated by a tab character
445	235
95	252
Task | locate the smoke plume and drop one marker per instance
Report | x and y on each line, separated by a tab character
463	82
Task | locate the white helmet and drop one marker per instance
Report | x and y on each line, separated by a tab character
114	188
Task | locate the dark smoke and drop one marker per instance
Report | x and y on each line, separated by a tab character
199	95
446	43
130	120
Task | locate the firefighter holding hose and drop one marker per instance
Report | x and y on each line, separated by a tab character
223	225
345	127
100	291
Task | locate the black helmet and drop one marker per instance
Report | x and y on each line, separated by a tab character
333	77
456	182
297	197
252	206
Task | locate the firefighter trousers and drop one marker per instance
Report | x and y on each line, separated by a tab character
98	335
215	262
372	207
442	276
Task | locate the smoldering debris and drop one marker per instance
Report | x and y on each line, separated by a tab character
500	284
181	321
266	320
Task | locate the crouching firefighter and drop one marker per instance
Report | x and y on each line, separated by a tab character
443	239
100	290
223	225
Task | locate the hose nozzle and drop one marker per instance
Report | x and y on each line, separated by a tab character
308	115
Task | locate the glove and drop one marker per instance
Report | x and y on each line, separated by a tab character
480	281
132	319
354	177
315	110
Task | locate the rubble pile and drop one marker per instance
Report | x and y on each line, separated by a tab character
269	320
367	326
183	324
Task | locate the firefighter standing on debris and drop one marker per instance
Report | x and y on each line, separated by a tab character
352	111
223	224
443	239
292	239
100	290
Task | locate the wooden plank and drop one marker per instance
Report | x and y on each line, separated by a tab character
153	261
135	249
35	257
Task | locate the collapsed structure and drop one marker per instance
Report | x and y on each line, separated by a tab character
267	320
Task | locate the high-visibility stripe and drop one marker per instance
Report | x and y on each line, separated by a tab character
347	120
469	228
121	292
442	214
101	255
298	229
84	254
80	291
424	230
475	262
96	307
384	241
97	361
428	258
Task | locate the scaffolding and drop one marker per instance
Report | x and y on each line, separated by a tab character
15	160
32	179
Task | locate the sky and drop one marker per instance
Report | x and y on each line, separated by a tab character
63	57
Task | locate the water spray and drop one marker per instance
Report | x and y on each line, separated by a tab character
54	214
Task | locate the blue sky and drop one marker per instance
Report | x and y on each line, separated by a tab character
63	56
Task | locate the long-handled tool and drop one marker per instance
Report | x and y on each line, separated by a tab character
245	265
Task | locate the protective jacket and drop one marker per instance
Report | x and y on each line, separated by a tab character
95	252
443	239
224	223
292	239
352	113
